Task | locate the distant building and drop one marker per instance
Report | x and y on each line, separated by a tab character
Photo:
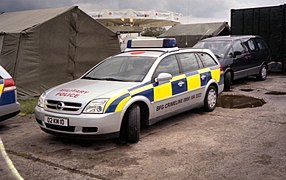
188	35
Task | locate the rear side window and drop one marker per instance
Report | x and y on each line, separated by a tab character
189	62
207	60
261	44
251	46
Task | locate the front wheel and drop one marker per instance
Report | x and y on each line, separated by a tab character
133	124
210	99
262	74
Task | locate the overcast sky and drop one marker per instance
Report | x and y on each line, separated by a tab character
192	10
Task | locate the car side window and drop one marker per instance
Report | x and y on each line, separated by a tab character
250	44
168	65
207	60
261	44
189	62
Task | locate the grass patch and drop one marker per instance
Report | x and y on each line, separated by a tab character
27	106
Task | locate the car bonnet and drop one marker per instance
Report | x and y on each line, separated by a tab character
84	91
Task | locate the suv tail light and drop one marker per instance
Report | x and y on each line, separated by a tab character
9	85
220	67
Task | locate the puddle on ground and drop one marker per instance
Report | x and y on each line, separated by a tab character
276	93
247	89
239	101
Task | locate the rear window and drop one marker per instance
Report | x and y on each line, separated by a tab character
261	44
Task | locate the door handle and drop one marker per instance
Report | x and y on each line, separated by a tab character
181	83
203	77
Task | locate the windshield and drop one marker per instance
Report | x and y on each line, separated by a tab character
219	48
122	68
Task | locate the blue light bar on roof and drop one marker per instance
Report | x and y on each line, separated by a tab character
152	43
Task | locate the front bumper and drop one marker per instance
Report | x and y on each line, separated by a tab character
81	125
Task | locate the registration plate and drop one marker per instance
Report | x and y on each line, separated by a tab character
56	121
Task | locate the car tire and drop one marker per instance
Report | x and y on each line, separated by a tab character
227	81
262	73
210	100
133	124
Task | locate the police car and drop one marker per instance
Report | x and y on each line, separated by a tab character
9	106
151	80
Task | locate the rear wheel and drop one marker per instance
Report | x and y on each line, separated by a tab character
263	73
227	81
133	124
210	99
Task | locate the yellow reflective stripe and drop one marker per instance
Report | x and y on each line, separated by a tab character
216	74
194	82
204	70
122	104
175	78
113	99
141	89
162	91
1	89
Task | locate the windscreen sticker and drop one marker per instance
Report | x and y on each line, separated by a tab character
73	93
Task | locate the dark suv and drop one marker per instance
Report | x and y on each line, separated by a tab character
240	56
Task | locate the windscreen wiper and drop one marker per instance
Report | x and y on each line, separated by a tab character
111	79
87	77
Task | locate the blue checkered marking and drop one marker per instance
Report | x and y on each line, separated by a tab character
114	104
8	98
148	94
176	89
208	77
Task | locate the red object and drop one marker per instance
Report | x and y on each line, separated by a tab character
137	52
220	67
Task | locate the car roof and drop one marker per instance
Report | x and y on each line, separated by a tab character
3	73
230	38
157	53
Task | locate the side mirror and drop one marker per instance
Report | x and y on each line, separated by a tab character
237	53
163	77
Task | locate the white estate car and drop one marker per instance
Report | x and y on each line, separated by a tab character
151	80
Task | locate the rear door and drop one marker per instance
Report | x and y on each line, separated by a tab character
254	54
167	95
264	53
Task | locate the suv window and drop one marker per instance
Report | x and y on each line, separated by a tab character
189	62
250	44
168	65
261	44
207	60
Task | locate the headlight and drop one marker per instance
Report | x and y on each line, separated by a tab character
95	106
41	100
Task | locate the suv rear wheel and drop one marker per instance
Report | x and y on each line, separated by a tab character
227	81
263	73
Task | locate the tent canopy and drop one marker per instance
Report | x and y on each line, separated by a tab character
46	47
189	34
15	22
